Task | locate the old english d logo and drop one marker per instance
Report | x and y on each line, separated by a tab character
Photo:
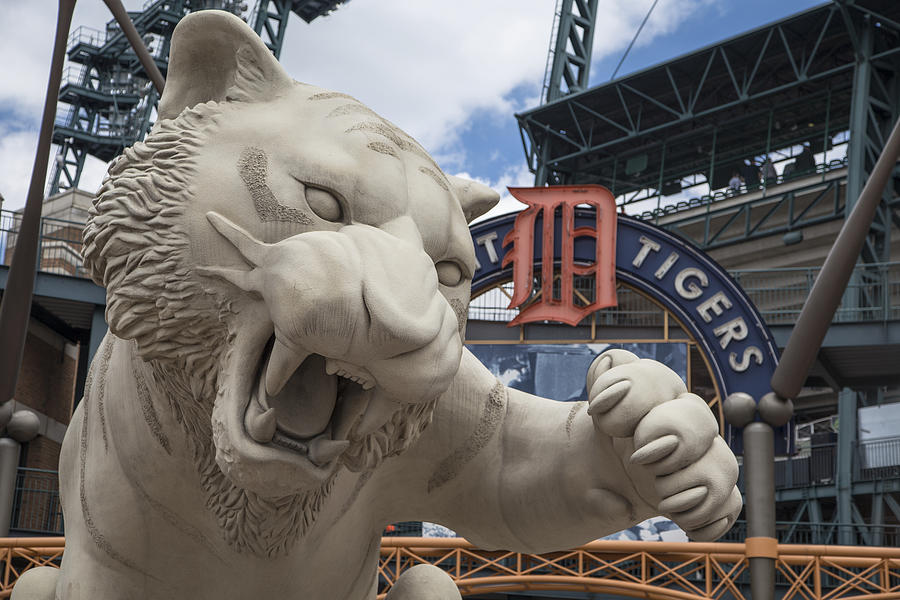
553	210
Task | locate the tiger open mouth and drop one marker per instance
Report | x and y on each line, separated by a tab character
310	404
287	423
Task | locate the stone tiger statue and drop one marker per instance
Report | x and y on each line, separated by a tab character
287	277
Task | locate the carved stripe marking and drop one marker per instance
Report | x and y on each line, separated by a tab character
253	167
148	410
105	356
571	418
491	418
99	539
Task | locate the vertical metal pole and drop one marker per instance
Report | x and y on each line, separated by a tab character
759	485
540	174
877	518
859	119
662	166
712	161
825	136
615	168
9	465
16	305
761	546
766	181
845	451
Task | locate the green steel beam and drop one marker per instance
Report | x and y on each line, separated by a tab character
100	122
569	57
62	287
762	216
571	137
270	23
844	471
859	488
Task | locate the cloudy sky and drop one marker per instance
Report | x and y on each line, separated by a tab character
452	74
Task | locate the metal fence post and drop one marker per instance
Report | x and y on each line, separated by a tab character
9	463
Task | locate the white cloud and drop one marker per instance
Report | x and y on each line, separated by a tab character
16	157
516	176
26	39
427	65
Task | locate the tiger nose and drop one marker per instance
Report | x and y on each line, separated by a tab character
404	228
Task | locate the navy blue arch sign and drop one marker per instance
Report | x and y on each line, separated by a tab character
693	287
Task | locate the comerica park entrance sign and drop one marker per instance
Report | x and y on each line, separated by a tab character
704	298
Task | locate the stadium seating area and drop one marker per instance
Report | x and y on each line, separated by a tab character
722	194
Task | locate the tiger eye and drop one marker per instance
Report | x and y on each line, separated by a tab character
449	273
324	204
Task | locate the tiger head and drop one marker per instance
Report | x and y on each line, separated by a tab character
297	265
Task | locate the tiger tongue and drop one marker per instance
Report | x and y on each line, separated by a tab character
305	404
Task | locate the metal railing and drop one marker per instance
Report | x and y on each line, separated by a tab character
674	570
633	309
88	36
36	507
709	200
876	460
873	460
788	532
59	250
873	294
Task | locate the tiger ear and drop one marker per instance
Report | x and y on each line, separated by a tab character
216	56
475	198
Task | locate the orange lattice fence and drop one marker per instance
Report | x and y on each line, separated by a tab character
679	571
660	570
20	554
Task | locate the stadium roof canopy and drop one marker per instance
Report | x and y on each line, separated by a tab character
702	114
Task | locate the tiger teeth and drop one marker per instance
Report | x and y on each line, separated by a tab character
352	372
282	363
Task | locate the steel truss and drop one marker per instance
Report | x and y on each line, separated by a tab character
108	102
569	57
758	215
676	116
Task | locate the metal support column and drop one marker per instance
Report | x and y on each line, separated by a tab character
758	420
67	167
272	18
9	469
859	119
844	476
759	482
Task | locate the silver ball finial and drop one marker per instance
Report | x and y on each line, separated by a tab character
740	409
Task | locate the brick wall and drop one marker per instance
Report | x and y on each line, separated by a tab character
41	453
47	378
47	384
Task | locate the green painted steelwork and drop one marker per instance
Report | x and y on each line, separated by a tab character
723	219
108	101
770	90
569	57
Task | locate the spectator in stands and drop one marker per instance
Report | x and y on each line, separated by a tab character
788	171
750	174
735	183
806	162
767	172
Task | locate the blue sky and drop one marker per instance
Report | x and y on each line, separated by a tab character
451	74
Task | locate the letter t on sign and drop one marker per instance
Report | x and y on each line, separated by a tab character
550	217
